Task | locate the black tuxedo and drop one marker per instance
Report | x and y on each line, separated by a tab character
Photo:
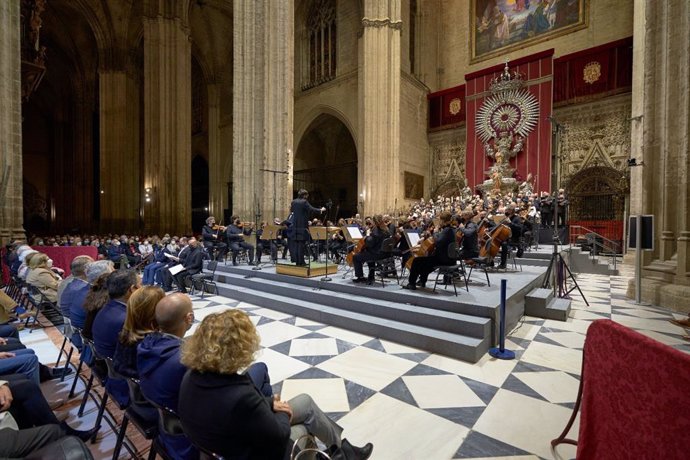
298	234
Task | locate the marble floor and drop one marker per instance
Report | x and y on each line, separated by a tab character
416	405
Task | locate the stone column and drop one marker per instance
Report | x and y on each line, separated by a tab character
278	108
167	121
120	188
248	105
217	181
263	106
661	138
379	93
11	203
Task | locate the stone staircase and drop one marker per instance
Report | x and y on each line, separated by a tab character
541	303
581	261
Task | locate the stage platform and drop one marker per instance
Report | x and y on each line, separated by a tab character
306	271
462	327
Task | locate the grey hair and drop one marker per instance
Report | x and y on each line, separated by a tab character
79	265
96	269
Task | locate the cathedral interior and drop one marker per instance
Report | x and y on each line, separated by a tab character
148	116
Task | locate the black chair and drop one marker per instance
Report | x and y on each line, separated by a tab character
98	372
168	424
478	262
132	413
81	360
67	331
386	266
451	271
205	279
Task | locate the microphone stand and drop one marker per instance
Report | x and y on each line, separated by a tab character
328	210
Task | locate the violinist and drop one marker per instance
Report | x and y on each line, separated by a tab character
235	241
279	241
338	244
513	221
378	231
422	266
209	236
469	230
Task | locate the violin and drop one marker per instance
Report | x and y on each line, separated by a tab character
217	227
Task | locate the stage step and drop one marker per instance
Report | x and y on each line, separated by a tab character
582	262
541	303
455	335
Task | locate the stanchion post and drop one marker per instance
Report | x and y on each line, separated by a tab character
501	352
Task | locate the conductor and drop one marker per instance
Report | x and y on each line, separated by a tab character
297	232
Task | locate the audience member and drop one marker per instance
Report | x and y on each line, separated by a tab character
42	277
97	276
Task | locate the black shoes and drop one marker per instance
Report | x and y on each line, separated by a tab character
410	286
356	453
84	435
359	280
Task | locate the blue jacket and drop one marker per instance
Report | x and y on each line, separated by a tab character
160	374
115	252
72	301
106	330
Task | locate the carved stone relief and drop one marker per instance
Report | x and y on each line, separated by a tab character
595	134
448	153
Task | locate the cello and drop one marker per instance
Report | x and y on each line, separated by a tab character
356	250
423	249
493	241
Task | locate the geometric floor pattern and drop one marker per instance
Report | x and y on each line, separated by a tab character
417	405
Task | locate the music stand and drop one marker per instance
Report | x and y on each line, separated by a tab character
273	230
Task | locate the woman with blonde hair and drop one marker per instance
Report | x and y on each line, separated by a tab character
221	409
42	277
140	321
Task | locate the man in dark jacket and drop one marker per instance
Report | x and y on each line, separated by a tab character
193	263
236	241
422	266
298	234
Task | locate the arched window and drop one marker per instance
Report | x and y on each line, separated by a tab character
320	43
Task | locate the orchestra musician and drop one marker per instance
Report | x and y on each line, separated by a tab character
378	231
298	235
279	241
513	221
209	236
422	266
236	243
470	241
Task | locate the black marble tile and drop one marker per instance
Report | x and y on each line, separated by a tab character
277	387
264	320
568	405
313	360
484	391
524	343
357	394
344	346
282	348
314	335
375	344
516	385
423	369
416	357
528	367
313	373
290	320
399	390
479	445
465	416
543	339
335	416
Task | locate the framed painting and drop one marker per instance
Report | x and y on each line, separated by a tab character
500	26
414	186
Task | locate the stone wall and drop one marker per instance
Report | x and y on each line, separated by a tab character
448	150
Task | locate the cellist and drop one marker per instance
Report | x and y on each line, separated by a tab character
470	244
513	221
422	266
372	249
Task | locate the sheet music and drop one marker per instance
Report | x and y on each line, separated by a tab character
354	232
175	269
413	237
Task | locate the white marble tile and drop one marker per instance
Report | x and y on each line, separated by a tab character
556	387
278	332
218	299
280	366
593	307
585	315
370	368
313	347
647	314
663	338
525	331
272	314
648	324
487	370
514	457
255	319
572	325
567	339
306	322
329	394
200	304
438	391
396	348
345	335
510	345
401	431
553	357
527	423
202	313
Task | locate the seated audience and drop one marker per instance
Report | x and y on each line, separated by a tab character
42	277
222	410
193	263
73	296
97	276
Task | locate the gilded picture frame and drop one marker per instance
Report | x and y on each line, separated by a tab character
500	26
414	186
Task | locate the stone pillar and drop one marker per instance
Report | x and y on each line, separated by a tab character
217	180
278	108
167	121
11	203
120	188
263	106
379	95
248	105
661	138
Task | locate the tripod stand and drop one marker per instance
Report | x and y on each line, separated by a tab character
558	269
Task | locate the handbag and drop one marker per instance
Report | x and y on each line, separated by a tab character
332	453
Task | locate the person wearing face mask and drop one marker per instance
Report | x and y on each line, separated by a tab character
42	277
116	253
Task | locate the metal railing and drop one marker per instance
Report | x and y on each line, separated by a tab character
599	244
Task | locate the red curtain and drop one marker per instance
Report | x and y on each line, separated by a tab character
535	158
